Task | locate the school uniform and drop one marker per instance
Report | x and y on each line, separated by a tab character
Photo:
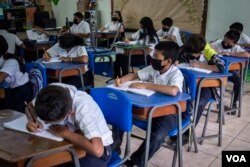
172	31
82	27
161	125
12	41
20	89
37	36
88	118
235	78
244	39
113	26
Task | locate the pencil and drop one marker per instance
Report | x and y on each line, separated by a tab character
34	119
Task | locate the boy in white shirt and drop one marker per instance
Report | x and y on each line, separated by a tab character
76	117
169	32
38	33
244	38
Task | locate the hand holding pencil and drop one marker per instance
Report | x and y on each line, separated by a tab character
33	124
46	56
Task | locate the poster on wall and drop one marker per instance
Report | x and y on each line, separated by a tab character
187	14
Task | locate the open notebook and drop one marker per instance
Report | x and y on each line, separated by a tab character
125	87
53	60
187	66
19	124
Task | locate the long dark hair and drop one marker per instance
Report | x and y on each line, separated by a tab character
6	56
148	28
120	15
69	40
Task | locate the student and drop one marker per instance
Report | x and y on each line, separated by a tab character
80	27
38	33
70	48
11	39
74	116
244	38
228	46
164	77
12	72
169	32
146	35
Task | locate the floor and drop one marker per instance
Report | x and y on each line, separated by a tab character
236	132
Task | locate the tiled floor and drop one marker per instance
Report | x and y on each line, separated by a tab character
236	132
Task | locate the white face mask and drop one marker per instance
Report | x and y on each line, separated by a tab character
62	122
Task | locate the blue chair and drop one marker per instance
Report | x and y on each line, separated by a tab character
117	110
41	67
185	35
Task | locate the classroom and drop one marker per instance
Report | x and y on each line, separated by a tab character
124	83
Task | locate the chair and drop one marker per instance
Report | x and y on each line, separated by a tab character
29	66
117	110
185	35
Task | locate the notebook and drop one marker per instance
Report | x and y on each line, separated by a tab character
125	87
187	66
53	60
19	124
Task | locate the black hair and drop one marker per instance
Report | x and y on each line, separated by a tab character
79	15
167	21
4	24
237	26
233	35
169	49
53	103
149	29
120	15
194	44
69	40
40	24
3	52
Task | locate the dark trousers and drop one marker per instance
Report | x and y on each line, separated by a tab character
160	128
15	98
235	78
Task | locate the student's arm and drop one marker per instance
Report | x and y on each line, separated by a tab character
128	77
205	66
80	59
31	125
82	35
3	75
245	45
244	54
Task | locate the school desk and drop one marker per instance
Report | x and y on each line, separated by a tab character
241	64
135	50
156	105
198	80
20	149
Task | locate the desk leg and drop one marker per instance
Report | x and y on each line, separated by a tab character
221	111
129	60
242	72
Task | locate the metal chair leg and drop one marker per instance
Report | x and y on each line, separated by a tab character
174	158
205	124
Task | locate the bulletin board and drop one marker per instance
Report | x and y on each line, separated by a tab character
186	14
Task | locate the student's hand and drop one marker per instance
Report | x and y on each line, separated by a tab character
126	40
195	63
139	85
34	127
58	130
224	53
117	82
177	62
46	57
66	59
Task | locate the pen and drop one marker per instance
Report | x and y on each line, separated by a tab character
34	119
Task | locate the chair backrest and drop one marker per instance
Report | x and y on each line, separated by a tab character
116	107
40	67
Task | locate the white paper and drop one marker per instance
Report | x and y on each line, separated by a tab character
187	66
53	60
125	87
19	124
119	50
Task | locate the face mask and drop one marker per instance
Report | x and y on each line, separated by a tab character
225	46
114	19
190	57
75	21
165	29
62	122
156	64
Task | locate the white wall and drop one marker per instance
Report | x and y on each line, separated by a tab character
105	7
222	13
64	8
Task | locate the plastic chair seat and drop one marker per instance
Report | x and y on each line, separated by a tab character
115	160
174	132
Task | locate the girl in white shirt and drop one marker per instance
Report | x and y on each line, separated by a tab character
12	73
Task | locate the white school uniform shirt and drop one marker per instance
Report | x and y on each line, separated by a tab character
15	77
12	41
39	37
82	27
87	116
244	39
172	77
113	26
172	31
218	47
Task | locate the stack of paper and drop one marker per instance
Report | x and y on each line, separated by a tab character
187	66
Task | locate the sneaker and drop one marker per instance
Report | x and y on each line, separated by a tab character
226	108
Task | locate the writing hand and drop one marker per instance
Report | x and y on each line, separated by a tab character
34	127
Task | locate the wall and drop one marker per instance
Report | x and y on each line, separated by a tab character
222	13
105	7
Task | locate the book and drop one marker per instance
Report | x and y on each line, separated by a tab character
52	60
187	66
19	124
125	87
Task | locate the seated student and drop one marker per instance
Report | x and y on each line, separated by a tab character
70	48
12	72
114	25
11	39
169	32
76	117
165	78
228	46
196	48
244	38
38	33
146	35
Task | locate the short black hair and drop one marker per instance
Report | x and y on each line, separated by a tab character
194	44
167	21
237	26
79	15
169	49
53	103
40	24
4	24
233	35
3	45
68	40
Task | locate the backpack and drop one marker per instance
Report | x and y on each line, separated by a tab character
36	79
